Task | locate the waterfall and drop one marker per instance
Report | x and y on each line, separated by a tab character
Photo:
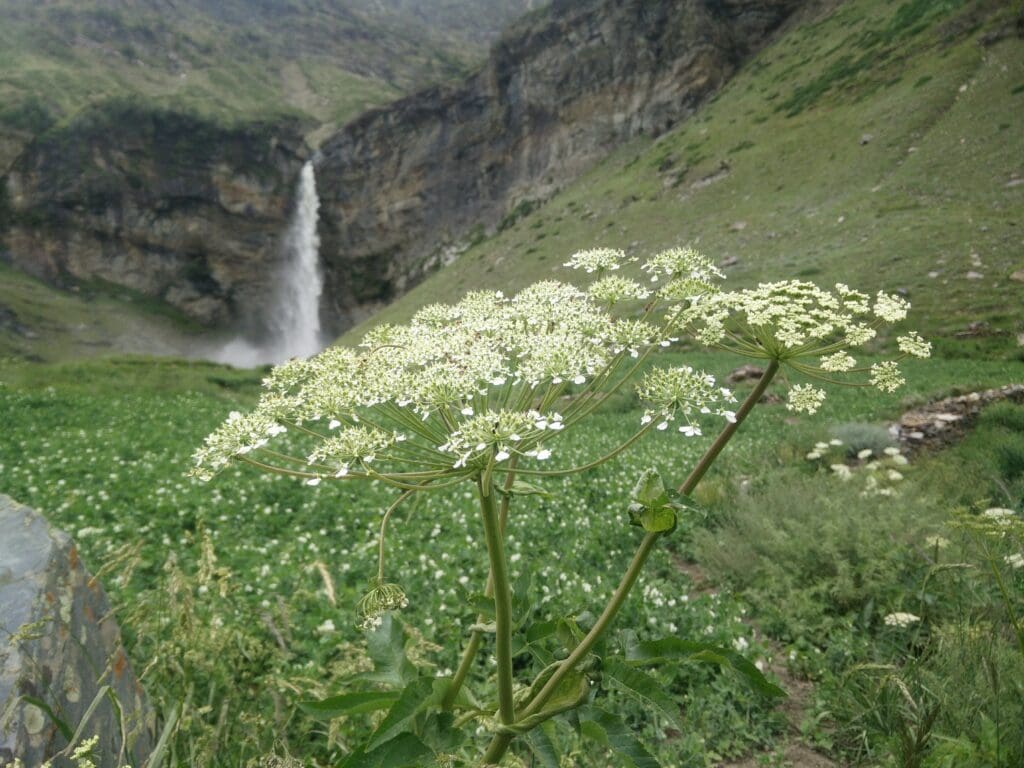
293	318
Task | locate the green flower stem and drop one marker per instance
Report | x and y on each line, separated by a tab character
502	601
500	743
1004	592
475	638
595	463
730	429
607	615
383	530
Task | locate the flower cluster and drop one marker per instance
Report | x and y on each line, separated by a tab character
685	392
809	329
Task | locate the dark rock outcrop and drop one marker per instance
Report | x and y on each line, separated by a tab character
175	207
402	185
59	645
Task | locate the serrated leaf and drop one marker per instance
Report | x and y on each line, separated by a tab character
349	704
643	687
403	712
676	649
541	743
541	629
404	751
609	731
649	490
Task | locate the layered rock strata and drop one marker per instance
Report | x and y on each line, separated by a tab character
170	206
402	186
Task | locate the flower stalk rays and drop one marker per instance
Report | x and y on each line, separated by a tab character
481	392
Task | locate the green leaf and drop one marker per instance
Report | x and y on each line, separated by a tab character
644	688
400	717
522	488
349	704
541	629
675	649
649	490
385	646
63	727
658	520
404	751
572	691
609	731
541	743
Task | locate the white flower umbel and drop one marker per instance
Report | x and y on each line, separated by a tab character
597	260
901	619
808	329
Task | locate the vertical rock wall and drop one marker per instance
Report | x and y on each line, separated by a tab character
402	185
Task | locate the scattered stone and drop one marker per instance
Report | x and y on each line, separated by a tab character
840	220
903	292
730	261
744	373
738	226
1014	182
972	275
866	138
1018	276
933	275
945	421
911	150
60	645
1020	339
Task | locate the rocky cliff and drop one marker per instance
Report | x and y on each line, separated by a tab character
175	207
403	185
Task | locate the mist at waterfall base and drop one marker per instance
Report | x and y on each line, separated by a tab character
293	318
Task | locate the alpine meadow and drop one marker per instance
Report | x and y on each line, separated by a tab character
512	383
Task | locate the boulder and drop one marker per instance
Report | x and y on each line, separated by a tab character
60	646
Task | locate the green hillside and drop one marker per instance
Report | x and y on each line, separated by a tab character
879	143
323	60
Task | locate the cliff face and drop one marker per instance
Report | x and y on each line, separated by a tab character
402	185
171	206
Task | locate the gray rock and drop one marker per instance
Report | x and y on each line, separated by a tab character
61	645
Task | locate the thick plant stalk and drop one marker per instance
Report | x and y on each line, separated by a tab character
502	601
500	743
476	637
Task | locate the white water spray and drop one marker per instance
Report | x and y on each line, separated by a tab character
293	319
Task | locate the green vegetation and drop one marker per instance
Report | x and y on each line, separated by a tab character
888	607
897	177
102	448
231	61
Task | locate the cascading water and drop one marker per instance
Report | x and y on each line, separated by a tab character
294	316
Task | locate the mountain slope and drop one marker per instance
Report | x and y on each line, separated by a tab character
876	143
323	61
404	187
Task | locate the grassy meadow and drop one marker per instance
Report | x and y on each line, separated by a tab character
877	145
238	597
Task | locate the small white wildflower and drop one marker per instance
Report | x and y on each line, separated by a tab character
865	453
900	619
596	260
913	344
838	362
890	308
841	471
1015	560
805	398
813	456
937	542
886	376
326	627
999	515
